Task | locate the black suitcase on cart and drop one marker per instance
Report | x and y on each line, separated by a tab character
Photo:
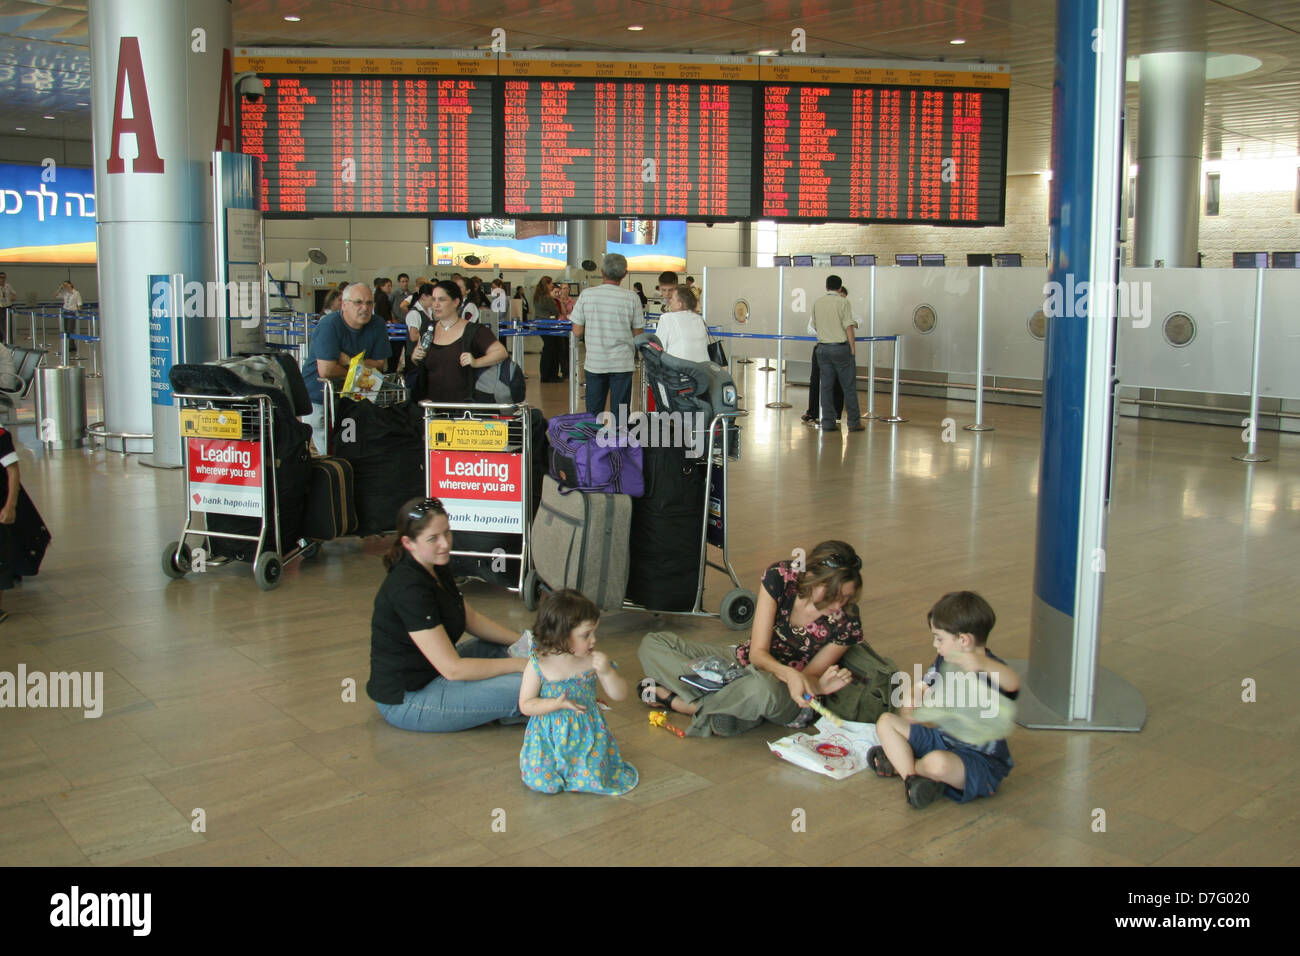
385	446
331	505
667	522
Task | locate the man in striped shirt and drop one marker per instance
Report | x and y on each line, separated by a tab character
608	317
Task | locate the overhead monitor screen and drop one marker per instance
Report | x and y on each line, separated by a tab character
907	259
884	154
646	149
333	145
1007	258
841	260
1250	260
864	260
932	259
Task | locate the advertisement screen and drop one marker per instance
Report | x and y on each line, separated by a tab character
47	214
649	245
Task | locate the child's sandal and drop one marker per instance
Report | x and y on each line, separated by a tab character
922	791
879	763
647	690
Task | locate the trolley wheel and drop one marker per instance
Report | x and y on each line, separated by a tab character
267	571
312	551
532	589
173	566
738	609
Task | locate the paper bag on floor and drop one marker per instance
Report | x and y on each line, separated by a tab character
837	752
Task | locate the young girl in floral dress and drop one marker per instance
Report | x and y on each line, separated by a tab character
567	745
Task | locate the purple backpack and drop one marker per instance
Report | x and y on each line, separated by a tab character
579	460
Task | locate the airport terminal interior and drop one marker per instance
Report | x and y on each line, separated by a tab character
231	700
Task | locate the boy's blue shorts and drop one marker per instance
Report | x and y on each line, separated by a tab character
983	771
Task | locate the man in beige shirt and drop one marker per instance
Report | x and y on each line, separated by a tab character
837	355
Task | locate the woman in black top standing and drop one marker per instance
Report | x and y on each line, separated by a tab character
446	368
420	676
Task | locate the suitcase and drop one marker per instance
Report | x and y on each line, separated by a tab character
580	540
667	522
331	505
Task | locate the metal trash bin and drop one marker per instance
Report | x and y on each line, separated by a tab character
61	406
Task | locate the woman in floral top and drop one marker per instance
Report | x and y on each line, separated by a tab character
804	623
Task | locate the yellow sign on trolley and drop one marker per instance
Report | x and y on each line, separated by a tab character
211	423
468	435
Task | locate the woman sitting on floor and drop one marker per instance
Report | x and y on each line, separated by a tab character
804	623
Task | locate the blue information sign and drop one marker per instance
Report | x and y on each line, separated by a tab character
164	336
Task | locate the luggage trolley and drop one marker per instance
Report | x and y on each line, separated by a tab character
738	604
391	392
478	461
230	463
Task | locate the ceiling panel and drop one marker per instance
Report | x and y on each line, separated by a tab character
44	63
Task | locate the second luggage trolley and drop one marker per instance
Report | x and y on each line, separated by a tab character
229	460
478	461
738	604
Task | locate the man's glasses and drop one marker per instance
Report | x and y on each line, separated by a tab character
366	302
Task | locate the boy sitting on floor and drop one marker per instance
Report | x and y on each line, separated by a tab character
966	755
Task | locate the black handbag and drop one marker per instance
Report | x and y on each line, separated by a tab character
717	354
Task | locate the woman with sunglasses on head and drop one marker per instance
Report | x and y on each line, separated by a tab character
422	675
805	621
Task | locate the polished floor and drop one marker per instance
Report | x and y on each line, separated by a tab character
224	705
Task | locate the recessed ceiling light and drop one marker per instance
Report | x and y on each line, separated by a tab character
957	42
767	52
293	19
83	104
48	116
636	28
21	129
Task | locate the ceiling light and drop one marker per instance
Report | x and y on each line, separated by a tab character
293	19
957	42
48	116
636	28
21	129
767	52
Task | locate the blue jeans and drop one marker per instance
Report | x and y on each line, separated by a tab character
443	706
617	385
838	365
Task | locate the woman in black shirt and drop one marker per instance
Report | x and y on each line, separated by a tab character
447	367
419	676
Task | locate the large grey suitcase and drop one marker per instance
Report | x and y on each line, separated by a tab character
580	541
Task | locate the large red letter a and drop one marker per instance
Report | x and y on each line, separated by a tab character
226	107
130	68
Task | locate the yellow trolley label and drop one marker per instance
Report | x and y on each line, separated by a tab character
211	423
468	435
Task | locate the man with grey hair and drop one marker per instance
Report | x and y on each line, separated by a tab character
608	317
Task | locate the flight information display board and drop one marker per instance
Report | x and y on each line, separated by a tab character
644	149
348	145
886	154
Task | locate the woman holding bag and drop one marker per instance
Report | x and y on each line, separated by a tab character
446	363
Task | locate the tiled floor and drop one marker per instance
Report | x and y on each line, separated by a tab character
224	705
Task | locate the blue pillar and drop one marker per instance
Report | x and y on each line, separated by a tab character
1066	688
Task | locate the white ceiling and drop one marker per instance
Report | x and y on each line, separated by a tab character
45	69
